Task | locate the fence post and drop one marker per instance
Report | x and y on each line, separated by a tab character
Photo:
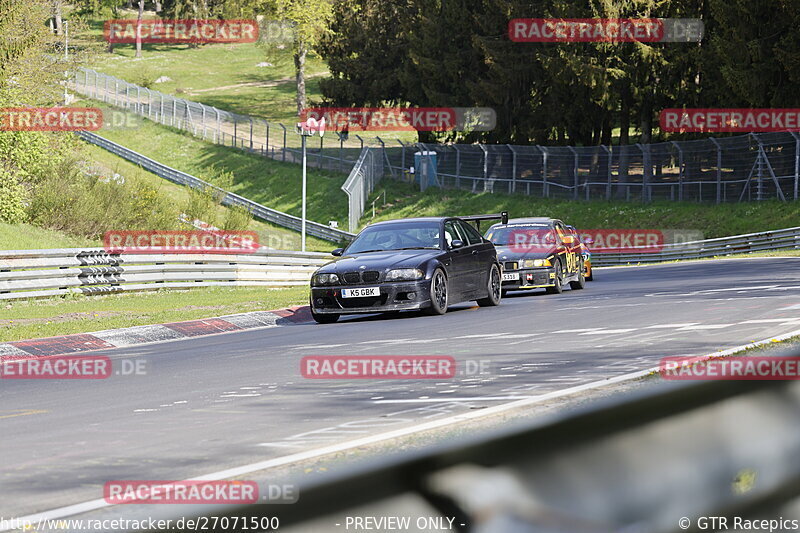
235	131
796	161
646	169
149	103
251	132
719	167
284	140
161	107
96	85
319	155
608	149
680	170
402	157
174	117
385	157
458	167
203	119
545	189
574	173
266	138
513	168
361	141
341	152
116	92
105	90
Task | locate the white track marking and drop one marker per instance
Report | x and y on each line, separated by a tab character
576	330
771	320
608	331
92	505
705	326
671	325
473	399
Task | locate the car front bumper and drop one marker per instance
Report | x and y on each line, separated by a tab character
530	278
393	297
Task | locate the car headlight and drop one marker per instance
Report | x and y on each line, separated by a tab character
529	263
404	274
324	279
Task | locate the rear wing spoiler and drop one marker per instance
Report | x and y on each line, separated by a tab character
503	217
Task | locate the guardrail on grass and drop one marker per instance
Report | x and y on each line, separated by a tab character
44	273
781	239
228	198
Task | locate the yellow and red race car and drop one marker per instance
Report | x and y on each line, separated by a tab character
586	254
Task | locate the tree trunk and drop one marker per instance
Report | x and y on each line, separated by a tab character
139	29
300	74
57	17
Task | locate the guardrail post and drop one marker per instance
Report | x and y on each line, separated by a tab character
680	170
719	168
513	168
545	189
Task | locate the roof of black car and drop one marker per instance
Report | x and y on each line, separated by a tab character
417	219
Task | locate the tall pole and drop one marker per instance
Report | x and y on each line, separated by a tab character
66	59
303	224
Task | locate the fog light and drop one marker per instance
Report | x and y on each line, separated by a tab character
411	295
319	301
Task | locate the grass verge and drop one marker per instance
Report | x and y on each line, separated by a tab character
30	237
30	319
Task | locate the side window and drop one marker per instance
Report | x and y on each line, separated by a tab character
562	232
451	233
472	235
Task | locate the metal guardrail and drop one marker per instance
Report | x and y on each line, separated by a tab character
645	462
782	239
228	198
44	273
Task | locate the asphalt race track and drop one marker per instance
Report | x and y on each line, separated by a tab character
213	403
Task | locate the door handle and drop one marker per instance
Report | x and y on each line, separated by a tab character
474	252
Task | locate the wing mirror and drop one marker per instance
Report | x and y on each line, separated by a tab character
457	244
337	252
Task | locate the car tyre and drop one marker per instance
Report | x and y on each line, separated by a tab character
580	283
439	293
324	318
494	289
557	287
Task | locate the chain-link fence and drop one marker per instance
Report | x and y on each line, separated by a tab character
270	139
366	173
729	169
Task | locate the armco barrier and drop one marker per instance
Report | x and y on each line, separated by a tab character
752	242
228	198
43	273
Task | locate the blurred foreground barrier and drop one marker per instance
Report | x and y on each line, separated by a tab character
651	461
42	273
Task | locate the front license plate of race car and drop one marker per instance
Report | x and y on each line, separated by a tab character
361	292
510	276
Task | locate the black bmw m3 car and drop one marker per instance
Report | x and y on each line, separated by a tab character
414	263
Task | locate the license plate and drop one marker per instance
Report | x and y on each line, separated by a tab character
510	276
361	292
